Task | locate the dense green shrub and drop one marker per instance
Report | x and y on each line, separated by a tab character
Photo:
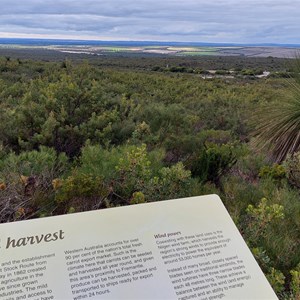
44	162
276	172
81	191
295	282
292	166
213	161
137	198
260	218
27	182
171	183
97	161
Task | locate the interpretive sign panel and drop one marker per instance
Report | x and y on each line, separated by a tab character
177	249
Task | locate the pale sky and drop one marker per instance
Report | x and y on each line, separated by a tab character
216	21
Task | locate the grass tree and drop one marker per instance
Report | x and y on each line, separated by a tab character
278	124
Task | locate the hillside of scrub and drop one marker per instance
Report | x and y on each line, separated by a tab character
78	136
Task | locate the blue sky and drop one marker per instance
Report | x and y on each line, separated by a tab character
237	21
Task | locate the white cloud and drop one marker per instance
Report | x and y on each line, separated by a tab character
237	21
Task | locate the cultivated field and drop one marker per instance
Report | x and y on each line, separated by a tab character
280	52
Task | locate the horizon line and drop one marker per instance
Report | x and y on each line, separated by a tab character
146	41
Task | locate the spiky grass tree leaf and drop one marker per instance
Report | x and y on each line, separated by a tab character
278	126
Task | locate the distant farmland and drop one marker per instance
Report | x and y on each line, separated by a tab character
247	51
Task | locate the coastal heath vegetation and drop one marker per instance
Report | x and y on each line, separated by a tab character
78	135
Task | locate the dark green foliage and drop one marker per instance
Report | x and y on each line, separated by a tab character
81	192
213	161
27	183
276	172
